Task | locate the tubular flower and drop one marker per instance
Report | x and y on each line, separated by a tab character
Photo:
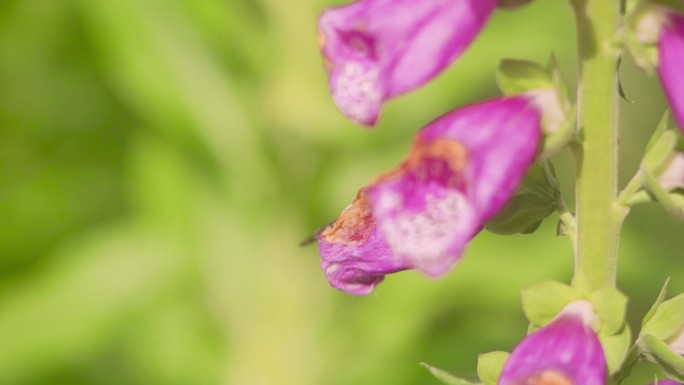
377	49
564	352
462	169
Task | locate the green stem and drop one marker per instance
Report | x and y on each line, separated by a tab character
598	220
630	190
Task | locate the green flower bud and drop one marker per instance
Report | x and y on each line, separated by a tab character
661	339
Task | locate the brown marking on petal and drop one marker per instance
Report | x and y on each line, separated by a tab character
360	26
321	44
547	377
451	151
321	39
354	225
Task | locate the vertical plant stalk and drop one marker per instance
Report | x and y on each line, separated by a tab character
598	220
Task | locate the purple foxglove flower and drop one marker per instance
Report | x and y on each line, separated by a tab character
377	49
670	59
462	169
564	352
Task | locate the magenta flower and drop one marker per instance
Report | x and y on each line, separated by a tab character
670	59
461	170
564	352
377	49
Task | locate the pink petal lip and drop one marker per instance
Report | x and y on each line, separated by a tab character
355	257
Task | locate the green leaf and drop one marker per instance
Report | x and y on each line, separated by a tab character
521	214
445	377
542	302
610	305
615	348
490	365
534	201
667	319
657	351
517	76
658	301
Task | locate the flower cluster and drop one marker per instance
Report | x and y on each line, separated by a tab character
463	167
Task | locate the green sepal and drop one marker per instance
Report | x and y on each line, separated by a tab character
660	128
558	83
645	54
610	306
667	319
658	301
673	203
630	361
542	302
446	377
518	76
657	351
660	152
556	141
616	347
490	365
534	201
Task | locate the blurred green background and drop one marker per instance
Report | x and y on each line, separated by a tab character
160	160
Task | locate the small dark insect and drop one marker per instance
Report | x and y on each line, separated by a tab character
314	237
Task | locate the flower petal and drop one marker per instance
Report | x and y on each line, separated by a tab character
501	137
422	208
671	57
355	256
377	49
